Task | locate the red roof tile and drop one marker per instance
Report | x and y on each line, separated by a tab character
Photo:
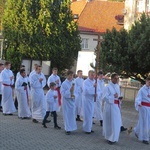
100	15
78	6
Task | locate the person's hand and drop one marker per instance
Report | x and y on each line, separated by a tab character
55	96
116	95
57	81
25	87
41	79
72	89
95	84
11	77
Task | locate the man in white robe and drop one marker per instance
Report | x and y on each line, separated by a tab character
78	100
56	79
1	68
33	71
98	103
22	91
88	101
37	82
142	105
68	92
111	112
17	76
7	80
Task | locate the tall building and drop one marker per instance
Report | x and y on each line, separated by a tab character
133	9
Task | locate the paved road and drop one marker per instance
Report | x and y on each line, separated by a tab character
16	134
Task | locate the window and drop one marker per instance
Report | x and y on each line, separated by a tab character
140	6
84	44
148	6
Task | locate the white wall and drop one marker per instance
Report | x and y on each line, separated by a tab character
91	43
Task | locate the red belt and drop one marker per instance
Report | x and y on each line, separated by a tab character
116	102
145	104
6	84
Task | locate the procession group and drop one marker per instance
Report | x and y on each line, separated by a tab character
78	98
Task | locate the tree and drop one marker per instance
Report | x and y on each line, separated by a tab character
43	30
114	50
128	53
2	6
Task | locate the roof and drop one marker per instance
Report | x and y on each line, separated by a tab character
78	6
100	15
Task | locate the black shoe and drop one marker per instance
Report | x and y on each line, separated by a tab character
57	127
7	114
145	142
35	121
136	136
44	125
101	123
92	131
87	132
123	129
47	121
78	119
93	122
68	132
111	143
10	114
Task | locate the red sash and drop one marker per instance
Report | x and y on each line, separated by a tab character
59	96
116	102
145	104
26	89
6	84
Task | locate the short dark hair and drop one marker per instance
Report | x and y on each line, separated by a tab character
54	69
22	70
148	79
7	63
22	66
79	71
114	75
1	64
69	72
52	84
100	73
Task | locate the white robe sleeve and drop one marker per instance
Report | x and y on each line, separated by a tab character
18	86
138	100
108	96
43	81
34	81
65	91
88	89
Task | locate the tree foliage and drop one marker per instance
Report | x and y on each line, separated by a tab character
128	52
41	30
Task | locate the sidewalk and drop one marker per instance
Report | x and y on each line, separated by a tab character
16	134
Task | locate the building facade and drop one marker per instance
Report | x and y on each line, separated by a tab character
133	9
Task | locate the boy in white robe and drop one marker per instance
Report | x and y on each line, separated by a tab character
142	105
88	101
1	68
56	79
22	91
52	105
68	103
78	100
98	103
37	83
7	80
111	112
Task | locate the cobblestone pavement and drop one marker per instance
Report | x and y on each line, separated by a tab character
16	134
